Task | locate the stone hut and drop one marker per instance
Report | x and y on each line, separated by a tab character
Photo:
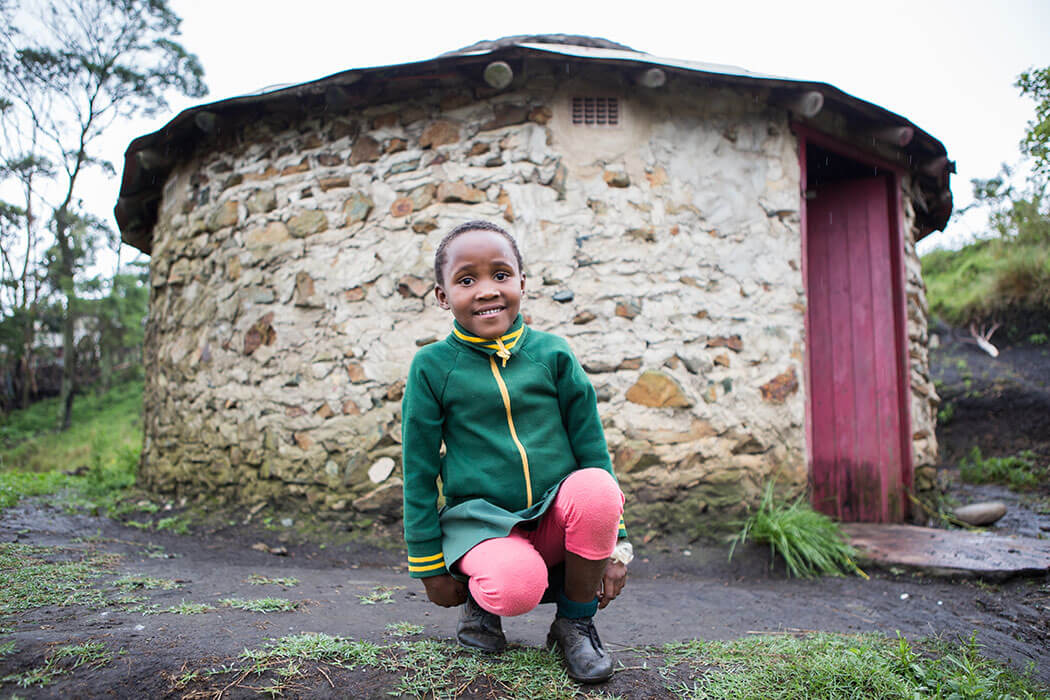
731	255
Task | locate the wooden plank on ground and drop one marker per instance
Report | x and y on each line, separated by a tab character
949	552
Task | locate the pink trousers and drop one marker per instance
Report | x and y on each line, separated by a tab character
508	575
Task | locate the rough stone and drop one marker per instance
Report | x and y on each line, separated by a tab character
365	150
223	216
984	513
342	129
300	167
305	295
657	390
307	223
722	360
425	225
260	333
401	207
380	470
459	192
422	196
563	296
733	342
777	389
439	133
261	201
506	115
411	286
617	178
628	309
332	183
583	317
357	207
356	372
541	115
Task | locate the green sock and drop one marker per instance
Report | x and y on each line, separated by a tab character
573	610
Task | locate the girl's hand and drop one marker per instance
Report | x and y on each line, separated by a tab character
612	583
445	590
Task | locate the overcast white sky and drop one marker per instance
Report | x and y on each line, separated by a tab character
949	67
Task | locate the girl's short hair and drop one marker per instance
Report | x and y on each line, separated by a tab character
478	225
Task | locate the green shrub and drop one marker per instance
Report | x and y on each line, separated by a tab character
810	543
1018	472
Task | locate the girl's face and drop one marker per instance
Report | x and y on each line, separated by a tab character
482	283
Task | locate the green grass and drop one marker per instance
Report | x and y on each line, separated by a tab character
810	543
100	450
260	580
403	629
262	605
138	582
1020	472
842	666
62	660
768	666
988	279
33	577
183	608
379	594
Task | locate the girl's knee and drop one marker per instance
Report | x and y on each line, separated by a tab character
511	590
507	575
595	487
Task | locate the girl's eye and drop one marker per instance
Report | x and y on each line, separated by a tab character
501	276
466	281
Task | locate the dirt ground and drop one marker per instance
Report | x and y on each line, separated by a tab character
676	591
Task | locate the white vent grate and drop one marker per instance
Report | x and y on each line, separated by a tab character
596	111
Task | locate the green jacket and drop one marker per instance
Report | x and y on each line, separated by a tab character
515	421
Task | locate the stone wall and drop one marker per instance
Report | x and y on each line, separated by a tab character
292	283
924	398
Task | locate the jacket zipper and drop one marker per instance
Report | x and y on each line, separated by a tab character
513	433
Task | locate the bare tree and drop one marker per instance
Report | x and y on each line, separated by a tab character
70	68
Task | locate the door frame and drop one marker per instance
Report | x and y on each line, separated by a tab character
807	135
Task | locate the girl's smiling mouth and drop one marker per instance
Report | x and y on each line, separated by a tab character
491	311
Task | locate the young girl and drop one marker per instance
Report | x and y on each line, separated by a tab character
528	485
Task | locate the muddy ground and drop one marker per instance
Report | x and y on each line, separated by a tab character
676	591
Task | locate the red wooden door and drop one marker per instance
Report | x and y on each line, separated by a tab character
856	410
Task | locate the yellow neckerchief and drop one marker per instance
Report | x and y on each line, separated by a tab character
501	345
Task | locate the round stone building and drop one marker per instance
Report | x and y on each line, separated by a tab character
731	256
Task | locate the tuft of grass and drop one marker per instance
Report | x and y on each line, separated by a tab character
62	660
379	594
34	577
260	580
262	605
135	582
174	523
6	649
841	666
810	543
403	629
183	608
1020	472
1039	339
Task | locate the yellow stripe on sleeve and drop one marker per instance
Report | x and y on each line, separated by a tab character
430	567
421	560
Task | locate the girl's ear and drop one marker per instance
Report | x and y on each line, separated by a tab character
523	282
441	297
